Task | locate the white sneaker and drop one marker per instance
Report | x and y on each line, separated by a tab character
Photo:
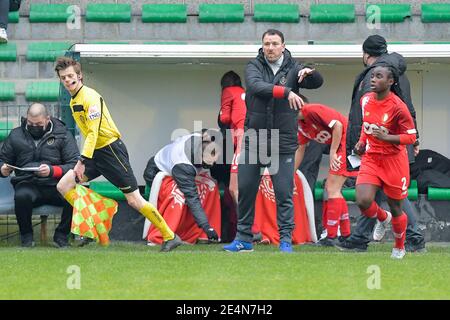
3	36
380	227
323	235
398	253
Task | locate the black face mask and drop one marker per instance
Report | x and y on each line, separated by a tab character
207	166
36	131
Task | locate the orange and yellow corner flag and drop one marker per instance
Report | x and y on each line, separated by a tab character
92	215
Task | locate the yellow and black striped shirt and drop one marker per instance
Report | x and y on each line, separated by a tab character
92	117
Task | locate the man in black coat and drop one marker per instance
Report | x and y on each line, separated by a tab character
45	144
374	54
273	80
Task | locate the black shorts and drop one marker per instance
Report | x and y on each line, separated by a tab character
112	162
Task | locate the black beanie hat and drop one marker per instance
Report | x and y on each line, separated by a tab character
375	45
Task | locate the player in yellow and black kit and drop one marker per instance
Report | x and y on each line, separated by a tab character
103	152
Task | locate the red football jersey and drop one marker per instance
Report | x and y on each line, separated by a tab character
318	123
233	109
391	115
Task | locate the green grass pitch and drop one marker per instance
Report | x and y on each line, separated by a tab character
136	271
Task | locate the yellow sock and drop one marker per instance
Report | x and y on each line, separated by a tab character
152	214
70	196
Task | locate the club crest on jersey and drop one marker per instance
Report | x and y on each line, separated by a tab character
385	117
94	112
283	80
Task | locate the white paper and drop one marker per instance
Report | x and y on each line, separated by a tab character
32	169
354	160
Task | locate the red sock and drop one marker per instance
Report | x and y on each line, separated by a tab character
324	214
345	219
374	211
371	211
333	214
399	229
381	214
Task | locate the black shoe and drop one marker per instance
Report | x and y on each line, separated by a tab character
347	245
418	247
342	238
257	237
326	242
60	241
27	240
85	241
169	245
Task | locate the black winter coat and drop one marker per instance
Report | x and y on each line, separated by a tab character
56	148
266	112
362	86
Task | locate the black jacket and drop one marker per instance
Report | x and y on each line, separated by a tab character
56	148
362	86
266	112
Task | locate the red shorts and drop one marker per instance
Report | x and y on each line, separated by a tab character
391	172
342	153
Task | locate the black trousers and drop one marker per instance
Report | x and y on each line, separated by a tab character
5	7
249	177
28	196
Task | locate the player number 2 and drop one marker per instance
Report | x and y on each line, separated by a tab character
404	186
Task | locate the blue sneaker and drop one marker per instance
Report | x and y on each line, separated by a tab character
239	246
286	247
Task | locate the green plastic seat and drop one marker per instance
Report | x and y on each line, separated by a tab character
5	129
7	91
8	51
438	193
413	191
146	194
46	51
42	91
221	12
13	17
435	12
49	13
107	189
388	12
332	13
108	12
276	13
172	13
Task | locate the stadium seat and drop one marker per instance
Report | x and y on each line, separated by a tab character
388	12
332	13
46	51
276	13
438	194
107	189
49	13
8	52
5	128
7	206
13	17
221	12
435	12
7	91
108	12
350	193
164	13
42	91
